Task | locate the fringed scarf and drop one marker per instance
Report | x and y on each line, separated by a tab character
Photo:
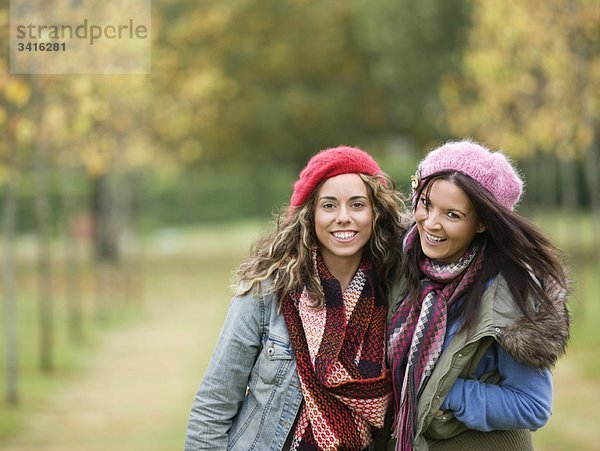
416	332
340	356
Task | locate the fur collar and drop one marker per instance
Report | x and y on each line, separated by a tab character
538	342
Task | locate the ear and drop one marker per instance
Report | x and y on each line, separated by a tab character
481	227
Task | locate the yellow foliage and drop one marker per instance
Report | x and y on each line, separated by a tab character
25	130
531	76
17	91
94	161
81	124
3	71
139	151
81	86
190	151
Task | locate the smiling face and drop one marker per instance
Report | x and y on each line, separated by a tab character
343	219
446	220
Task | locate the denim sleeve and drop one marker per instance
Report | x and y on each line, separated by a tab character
223	387
522	400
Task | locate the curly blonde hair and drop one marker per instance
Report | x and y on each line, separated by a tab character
284	255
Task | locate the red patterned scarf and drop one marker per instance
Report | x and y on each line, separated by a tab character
340	356
416	332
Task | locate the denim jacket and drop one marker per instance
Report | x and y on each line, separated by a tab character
250	394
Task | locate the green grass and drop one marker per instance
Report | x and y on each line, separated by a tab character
202	259
577	377
574	235
35	385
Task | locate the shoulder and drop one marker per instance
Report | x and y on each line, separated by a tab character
263	295
537	341
498	295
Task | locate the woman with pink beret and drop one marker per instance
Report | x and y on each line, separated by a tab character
481	317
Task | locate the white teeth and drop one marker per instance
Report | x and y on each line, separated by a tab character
344	235
434	238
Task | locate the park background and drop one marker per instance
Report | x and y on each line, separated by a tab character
126	201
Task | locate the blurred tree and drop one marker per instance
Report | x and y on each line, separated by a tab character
539	85
259	82
411	45
531	81
65	123
265	83
41	167
8	255
108	137
74	225
15	134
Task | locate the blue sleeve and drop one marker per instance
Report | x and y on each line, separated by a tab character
522	400
223	387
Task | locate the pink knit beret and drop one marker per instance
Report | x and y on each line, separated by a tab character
492	170
330	163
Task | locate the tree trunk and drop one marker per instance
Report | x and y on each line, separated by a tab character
10	301
568	195
124	218
44	256
568	186
72	237
593	180
548	180
106	243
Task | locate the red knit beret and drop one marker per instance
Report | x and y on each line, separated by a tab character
330	163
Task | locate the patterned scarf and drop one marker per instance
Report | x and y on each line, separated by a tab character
416	332
340	356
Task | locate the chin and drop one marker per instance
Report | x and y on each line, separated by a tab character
433	255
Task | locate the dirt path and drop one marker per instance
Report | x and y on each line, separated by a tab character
136	392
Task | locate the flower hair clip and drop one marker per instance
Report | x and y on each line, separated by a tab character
415	180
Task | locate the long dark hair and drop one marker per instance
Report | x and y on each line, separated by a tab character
514	247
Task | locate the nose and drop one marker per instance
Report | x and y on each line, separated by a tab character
343	215
431	220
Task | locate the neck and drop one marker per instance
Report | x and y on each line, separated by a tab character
343	269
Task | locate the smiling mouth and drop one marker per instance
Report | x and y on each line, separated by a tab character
344	236
433	238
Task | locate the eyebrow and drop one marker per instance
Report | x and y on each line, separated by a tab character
351	198
457	210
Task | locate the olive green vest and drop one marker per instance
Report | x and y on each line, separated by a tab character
460	359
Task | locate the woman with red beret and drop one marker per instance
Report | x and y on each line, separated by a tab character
300	363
